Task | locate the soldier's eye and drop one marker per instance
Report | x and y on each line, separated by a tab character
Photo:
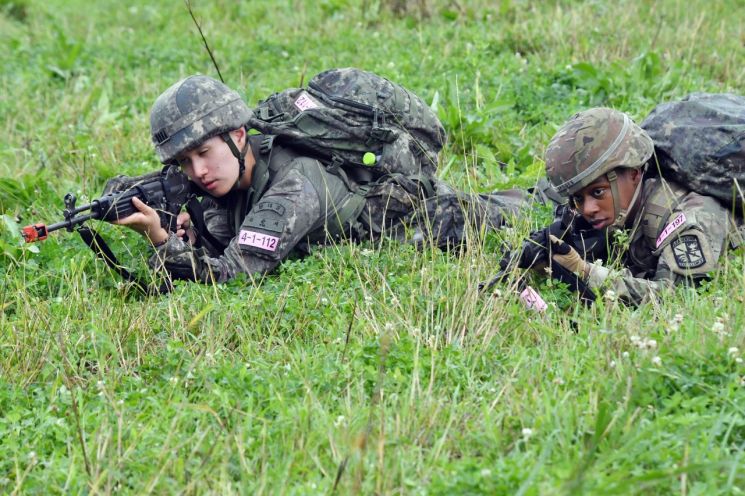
598	193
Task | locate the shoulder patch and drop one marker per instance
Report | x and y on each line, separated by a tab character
688	252
263	223
670	228
275	207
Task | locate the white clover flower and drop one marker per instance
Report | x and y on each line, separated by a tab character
733	350
527	432
173	380
738	360
339	420
485	472
389	327
675	322
651	344
610	295
635	339
625	354
559	381
325	300
657	360
718	327
612	364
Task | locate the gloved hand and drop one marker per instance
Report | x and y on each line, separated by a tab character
568	257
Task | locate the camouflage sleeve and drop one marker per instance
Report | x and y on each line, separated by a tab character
284	215
686	255
630	289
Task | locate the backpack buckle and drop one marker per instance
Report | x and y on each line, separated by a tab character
336	162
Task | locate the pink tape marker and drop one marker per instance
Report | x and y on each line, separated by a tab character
533	300
259	240
676	223
304	102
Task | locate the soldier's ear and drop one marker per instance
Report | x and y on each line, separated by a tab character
239	136
635	175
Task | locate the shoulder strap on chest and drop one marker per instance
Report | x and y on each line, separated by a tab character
660	203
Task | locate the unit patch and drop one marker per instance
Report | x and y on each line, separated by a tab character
276	207
260	222
687	252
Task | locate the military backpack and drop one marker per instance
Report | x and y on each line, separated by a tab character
356	120
700	144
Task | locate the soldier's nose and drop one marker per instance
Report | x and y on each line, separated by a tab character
590	207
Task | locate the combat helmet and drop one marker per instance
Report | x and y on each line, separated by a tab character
594	143
192	111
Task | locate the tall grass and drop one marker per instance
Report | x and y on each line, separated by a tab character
359	369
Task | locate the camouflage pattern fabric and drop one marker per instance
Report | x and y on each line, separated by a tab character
347	114
450	217
678	237
700	143
299	207
192	111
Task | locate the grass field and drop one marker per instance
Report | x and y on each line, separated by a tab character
360	369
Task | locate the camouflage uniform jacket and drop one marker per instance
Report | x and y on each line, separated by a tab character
677	236
293	200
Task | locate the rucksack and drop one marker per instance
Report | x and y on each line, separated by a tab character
358	120
700	144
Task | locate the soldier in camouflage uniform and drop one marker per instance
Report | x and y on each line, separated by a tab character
599	159
264	201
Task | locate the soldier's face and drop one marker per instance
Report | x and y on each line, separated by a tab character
211	166
595	202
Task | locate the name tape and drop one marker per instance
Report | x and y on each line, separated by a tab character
258	240
670	228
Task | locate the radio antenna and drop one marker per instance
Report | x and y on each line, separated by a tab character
204	40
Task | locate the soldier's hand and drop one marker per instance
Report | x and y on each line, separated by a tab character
184	229
146	222
568	257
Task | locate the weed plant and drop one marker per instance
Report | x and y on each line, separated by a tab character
359	369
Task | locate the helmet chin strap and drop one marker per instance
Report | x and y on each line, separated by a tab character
621	213
239	154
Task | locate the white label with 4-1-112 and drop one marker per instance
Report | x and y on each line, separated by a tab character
259	240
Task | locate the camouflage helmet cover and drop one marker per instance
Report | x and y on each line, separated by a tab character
192	111
591	144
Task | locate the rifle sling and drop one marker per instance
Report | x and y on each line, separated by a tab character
196	215
99	246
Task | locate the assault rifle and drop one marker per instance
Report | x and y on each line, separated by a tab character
535	251
166	191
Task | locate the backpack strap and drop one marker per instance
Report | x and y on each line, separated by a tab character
658	207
